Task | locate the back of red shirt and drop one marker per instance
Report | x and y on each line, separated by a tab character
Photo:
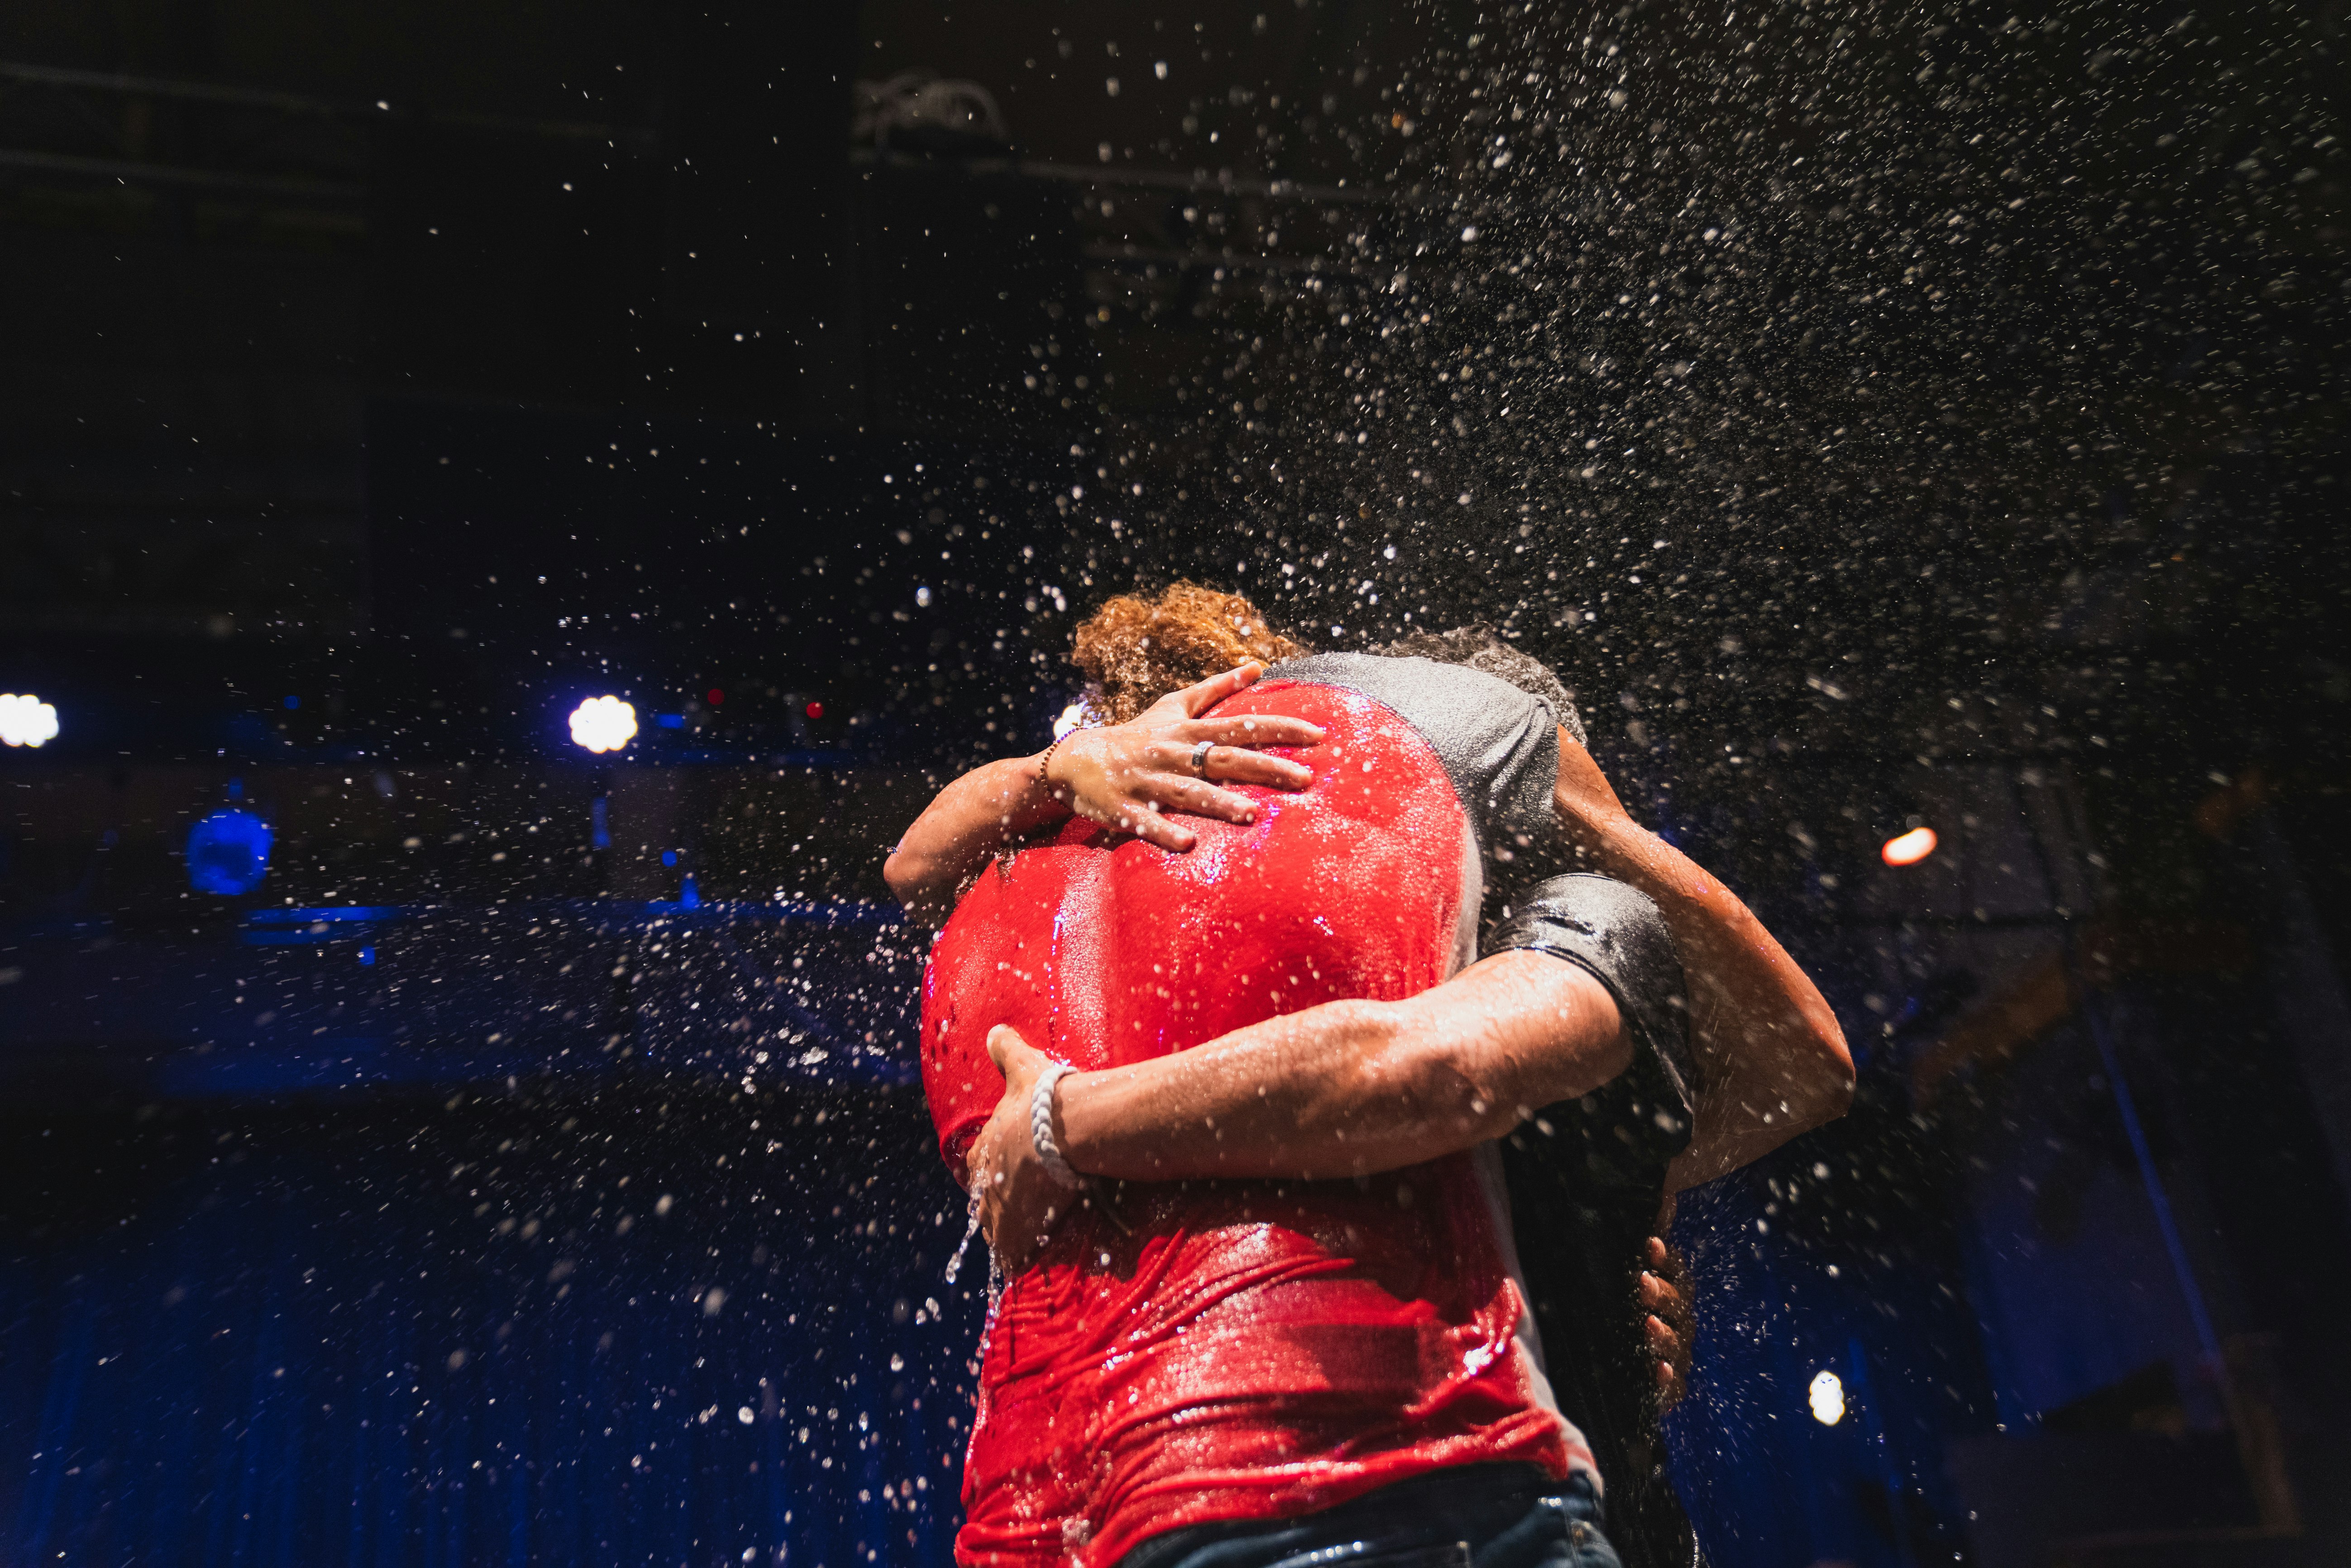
1253	1350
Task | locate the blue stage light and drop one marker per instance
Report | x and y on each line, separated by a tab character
229	853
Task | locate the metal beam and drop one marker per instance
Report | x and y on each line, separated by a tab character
289	103
283	187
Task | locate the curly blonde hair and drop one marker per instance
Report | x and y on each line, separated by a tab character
1139	647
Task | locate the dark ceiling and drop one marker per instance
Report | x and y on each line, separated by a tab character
1838	382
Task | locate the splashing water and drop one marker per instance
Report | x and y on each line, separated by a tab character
970	1229
995	1296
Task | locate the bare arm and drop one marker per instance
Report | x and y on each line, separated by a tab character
963	825
1771	1059
1124	775
1351	1088
1344	1089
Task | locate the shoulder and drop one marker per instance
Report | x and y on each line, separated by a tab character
1499	744
1420	688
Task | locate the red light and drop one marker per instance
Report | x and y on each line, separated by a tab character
716	696
815	710
1910	848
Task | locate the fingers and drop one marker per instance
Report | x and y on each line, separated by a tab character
1001	1165
1166	762
1657	1295
1005	1048
1015	1237
1165	781
1668	1331
1177	792
1153	829
1017	1218
1154	779
1233	766
1232	754
1135	815
1673	1363
1667	1327
1249	729
1198	699
1156	794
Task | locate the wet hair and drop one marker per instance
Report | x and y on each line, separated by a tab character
1139	647
1480	647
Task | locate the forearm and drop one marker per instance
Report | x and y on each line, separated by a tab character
1771	1058
1352	1088
966	824
1138	778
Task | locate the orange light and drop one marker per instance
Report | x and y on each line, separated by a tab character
1910	848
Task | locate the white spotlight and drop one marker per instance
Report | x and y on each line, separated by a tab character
25	720
1828	1400
603	724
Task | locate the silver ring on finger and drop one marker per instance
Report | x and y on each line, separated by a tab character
1200	758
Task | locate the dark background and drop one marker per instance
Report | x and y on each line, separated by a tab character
1881	416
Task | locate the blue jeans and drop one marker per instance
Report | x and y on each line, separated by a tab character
1476	1516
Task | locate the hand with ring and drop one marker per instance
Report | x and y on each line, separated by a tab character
1169	760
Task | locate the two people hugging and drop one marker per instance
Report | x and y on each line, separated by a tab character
1322	1041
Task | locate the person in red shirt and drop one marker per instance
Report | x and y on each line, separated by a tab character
1246	1111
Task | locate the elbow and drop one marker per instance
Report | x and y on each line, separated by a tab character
915	889
1824	1085
1833	1100
912	878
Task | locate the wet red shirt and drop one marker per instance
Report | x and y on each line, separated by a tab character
1253	1350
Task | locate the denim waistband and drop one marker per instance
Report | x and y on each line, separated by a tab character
1465	1502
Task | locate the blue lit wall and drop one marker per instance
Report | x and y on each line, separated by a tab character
515	1331
338	1235
466	1234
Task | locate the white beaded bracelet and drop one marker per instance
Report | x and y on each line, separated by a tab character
1040	1126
